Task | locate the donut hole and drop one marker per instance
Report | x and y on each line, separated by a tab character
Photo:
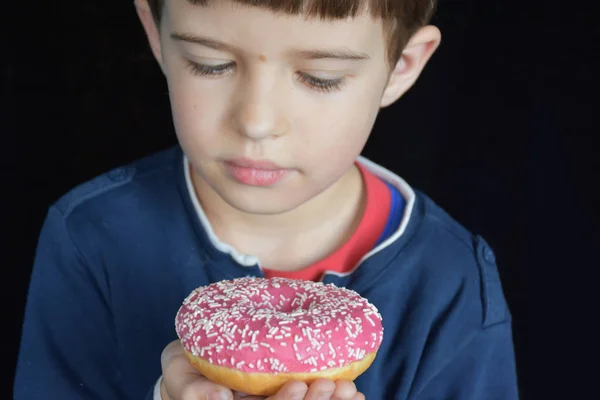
283	301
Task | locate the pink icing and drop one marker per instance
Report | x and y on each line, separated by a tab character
278	325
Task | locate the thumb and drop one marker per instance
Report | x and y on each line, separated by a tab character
183	382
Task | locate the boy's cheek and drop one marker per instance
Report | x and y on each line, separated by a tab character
194	110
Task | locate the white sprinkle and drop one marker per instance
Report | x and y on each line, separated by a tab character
370	320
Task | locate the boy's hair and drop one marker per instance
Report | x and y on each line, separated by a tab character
402	18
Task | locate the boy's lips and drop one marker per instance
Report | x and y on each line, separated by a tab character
255	172
256	164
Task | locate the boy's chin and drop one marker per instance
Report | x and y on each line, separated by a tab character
262	203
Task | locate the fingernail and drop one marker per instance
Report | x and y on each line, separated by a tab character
217	395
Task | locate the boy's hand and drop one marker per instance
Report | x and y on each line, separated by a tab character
322	389
181	381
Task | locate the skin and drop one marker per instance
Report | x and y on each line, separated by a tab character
263	105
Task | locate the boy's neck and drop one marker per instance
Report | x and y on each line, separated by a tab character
294	239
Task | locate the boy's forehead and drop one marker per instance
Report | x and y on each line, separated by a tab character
235	22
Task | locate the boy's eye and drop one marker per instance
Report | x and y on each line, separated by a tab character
321	84
210	70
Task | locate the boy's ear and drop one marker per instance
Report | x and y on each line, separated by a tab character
415	56
151	29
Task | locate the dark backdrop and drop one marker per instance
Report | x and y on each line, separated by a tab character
498	131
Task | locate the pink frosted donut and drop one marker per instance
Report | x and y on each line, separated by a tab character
255	334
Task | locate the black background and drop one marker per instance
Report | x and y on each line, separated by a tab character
499	131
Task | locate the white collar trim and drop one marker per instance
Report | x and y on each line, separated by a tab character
248	260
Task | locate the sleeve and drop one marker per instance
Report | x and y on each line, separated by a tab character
483	368
68	349
155	392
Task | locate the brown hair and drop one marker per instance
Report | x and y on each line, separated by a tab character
402	18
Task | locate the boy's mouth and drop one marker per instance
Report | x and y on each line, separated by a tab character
255	164
255	172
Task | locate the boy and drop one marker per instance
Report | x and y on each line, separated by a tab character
272	102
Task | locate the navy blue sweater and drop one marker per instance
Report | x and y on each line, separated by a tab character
117	256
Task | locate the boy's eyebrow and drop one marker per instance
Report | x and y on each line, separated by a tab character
344	54
341	54
213	44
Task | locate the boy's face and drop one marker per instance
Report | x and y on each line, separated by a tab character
247	85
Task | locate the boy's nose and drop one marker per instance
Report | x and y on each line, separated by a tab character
260	120
260	109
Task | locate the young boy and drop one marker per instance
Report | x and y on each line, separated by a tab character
272	103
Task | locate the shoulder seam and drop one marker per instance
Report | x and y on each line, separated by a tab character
449	229
429	206
80	200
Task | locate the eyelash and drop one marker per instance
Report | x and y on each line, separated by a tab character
209	70
318	84
321	85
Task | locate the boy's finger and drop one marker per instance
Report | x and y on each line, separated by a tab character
202	388
183	382
344	390
321	389
359	396
243	396
195	387
291	391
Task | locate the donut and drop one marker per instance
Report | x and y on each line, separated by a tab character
255	334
